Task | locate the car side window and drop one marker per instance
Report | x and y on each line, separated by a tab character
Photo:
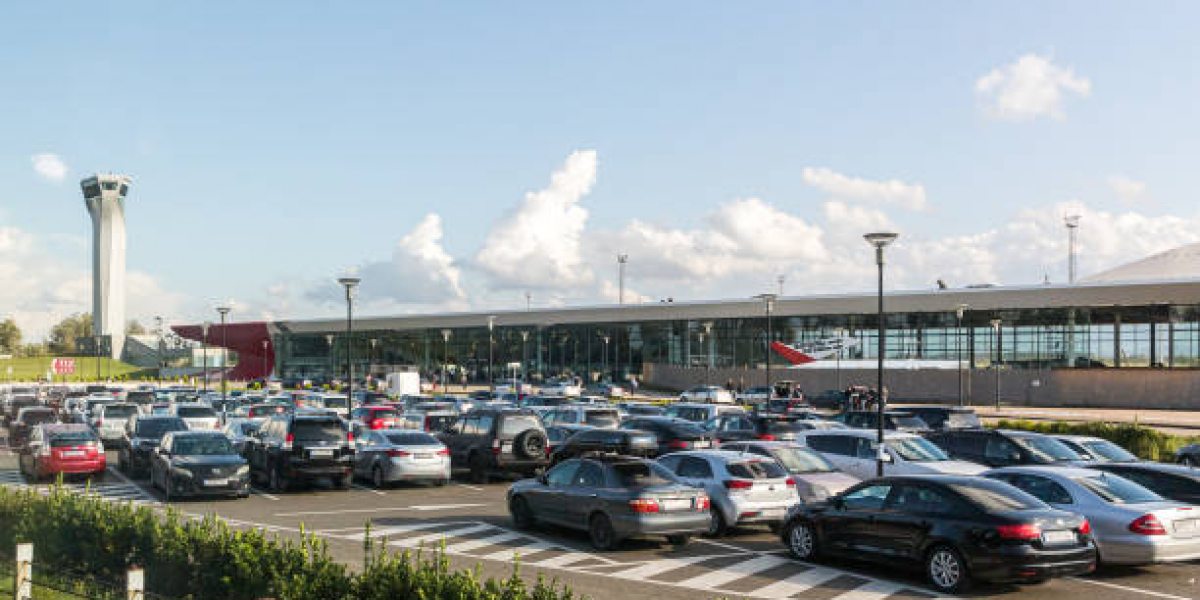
484	426
470	426
589	475
1043	489
563	474
922	500
833	444
871	497
1001	450
695	468
671	462
864	448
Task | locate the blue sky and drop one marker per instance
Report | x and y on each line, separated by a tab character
276	145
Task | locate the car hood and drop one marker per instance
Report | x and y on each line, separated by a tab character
833	482
222	460
949	467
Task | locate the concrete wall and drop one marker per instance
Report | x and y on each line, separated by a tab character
1092	388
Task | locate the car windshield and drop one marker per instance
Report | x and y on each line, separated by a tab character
318	431
686	430
916	450
688	413
1109	451
963	420
336	402
195	412
439	422
643	474
998	497
155	428
909	422
247	427
514	424
209	445
601	418
756	469
802	460
1046	450
35	417
258	411
645	410
411	439
72	438
118	412
1117	490
383	413
784	426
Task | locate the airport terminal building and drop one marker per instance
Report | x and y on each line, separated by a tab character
1025	333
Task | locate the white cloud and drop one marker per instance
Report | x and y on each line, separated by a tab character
49	167
845	187
420	270
1029	88
537	245
1128	190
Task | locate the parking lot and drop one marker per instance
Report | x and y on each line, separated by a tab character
473	524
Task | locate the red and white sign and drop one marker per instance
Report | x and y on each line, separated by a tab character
64	366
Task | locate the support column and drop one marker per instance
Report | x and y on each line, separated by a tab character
1153	344
1117	340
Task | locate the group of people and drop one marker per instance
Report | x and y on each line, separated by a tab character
861	397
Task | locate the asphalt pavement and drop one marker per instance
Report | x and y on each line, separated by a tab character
472	524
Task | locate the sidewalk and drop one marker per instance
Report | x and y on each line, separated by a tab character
1187	422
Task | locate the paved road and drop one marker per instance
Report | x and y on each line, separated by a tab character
472	523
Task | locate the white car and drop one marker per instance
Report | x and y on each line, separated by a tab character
744	488
701	413
596	416
110	421
856	451
756	395
198	416
560	387
707	393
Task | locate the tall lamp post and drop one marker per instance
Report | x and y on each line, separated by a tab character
329	362
204	350
266	372
708	358
445	357
158	323
491	321
224	311
349	283
999	356
880	240
524	362
959	312
769	301
371	358
605	337
838	332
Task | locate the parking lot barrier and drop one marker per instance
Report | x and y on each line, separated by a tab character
23	577
135	584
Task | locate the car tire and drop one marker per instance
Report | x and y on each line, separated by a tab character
276	481
531	444
601	533
679	540
522	517
717	527
478	467
946	570
342	482
800	538
377	478
1188	461
168	495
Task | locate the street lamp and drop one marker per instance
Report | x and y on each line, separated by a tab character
266	372
999	356
224	311
524	368
445	356
204	351
158	324
605	337
708	362
880	240
491	321
769	301
329	361
838	332
959	312
349	283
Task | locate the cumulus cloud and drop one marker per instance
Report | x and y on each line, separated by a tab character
1127	189
49	167
845	187
1028	88
537	244
420	271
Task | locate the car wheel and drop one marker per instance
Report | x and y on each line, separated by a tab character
478	469
377	477
801	540
946	570
168	487
1188	461
342	482
600	530
679	540
717	526
276	482
522	517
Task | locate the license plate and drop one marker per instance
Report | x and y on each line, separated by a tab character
1058	537
1187	526
420	456
701	444
216	481
321	452
506	447
681	504
73	453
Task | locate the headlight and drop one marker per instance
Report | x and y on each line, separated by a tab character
243	470
178	472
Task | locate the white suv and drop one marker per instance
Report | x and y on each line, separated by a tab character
707	393
198	416
855	451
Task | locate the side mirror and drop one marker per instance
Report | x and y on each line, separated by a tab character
838	502
543	479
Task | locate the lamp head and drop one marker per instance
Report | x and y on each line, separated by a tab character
995	323
708	325
224	310
349	282
880	239
1072	221
962	308
446	335
491	322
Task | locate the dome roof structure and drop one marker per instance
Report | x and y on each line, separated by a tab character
1178	263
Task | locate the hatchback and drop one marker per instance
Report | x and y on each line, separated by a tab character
66	449
743	488
816	478
391	455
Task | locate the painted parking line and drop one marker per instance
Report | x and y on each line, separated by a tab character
351	511
367	489
469	487
800	582
1126	588
258	492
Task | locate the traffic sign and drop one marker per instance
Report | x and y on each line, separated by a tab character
64	366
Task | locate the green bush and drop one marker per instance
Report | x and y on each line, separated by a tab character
202	559
1147	443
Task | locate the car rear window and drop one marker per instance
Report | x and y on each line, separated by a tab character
155	428
412	439
803	460
963	420
36	417
1110	451
439	422
998	497
209	445
117	412
73	438
642	474
515	424
910	422
318	431
195	412
602	418
336	403
784	426
688	413
1046	449
383	413
756	469
258	411
1117	490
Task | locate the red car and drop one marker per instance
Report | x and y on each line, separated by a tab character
377	417
62	448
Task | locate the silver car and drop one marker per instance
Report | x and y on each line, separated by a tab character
390	455
1131	524
743	488
816	478
1094	449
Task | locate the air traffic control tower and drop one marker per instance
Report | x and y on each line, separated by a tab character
105	199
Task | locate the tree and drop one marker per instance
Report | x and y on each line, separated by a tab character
134	328
10	336
63	335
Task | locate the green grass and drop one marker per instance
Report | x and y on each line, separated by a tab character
39	592
28	369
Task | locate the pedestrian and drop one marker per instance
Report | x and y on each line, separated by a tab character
741	386
729	384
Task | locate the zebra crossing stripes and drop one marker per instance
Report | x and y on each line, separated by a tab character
115	492
11	477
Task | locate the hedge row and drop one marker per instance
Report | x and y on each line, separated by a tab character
202	559
1147	443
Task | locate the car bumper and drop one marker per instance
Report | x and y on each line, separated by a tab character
74	467
662	524
234	486
1148	549
414	471
748	511
1023	563
512	463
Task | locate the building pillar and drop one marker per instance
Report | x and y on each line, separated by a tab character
1117	340
1153	343
1170	344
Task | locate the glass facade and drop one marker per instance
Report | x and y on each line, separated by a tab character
1160	336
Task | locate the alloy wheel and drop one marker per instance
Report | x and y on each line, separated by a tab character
800	541
944	569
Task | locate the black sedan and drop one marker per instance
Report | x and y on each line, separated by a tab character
198	463
612	498
757	426
142	435
1174	482
628	442
673	435
957	528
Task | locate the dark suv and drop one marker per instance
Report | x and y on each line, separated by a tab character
142	436
300	447
497	440
1004	448
893	420
947	417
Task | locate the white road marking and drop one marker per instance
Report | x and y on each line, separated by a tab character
655	567
258	492
431	539
481	542
564	559
716	579
350	511
141	492
875	590
511	553
469	487
801	582
386	531
367	489
1130	589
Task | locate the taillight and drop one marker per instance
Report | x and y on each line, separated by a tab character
791	482
397	453
377	424
738	484
678	444
1147	525
350	436
444	452
289	438
1026	531
643	505
1086	528
702	503
767	437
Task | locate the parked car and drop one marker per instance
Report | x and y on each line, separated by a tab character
740	427
391	455
376	417
1188	455
266	410
893	420
1131	524
946	417
560	387
816	478
140	439
16	402
556	435
61	449
626	442
957	529
299	447
198	416
489	441
707	393
109	421
1004	448
198	463
606	389
1174	482
856	452
1094	449
756	395
701	413
672	435
240	430
613	499
583	414
640	409
744	488
784	406
26	419
434	421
